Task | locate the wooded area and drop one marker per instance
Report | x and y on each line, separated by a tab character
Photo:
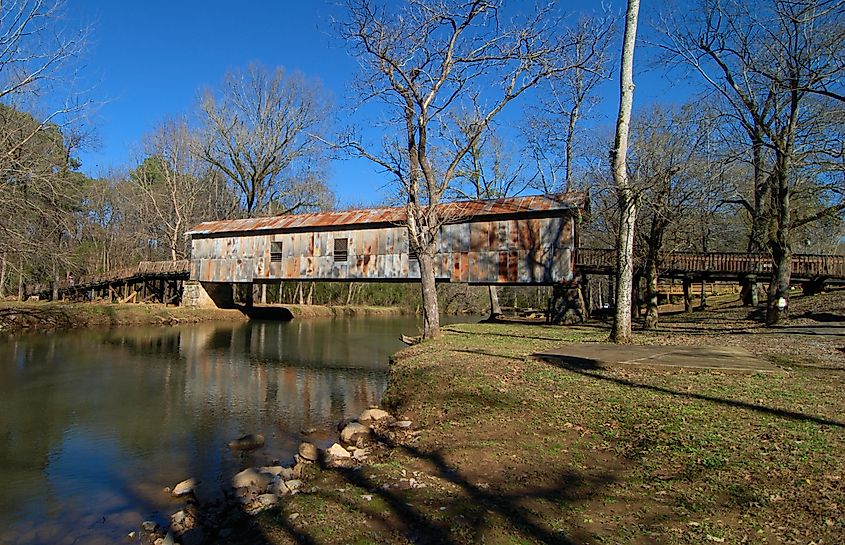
753	162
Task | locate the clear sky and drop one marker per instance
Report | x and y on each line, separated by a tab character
149	60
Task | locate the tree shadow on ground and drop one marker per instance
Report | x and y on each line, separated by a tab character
475	506
590	368
488	353
580	327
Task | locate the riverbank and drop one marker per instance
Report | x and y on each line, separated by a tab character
508	448
344	311
39	316
49	316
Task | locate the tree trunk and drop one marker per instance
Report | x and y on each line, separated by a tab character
570	137
703	304
263	294
20	285
55	290
688	295
431	313
310	299
495	308
299	296
778	303
621	332
349	293
3	276
651	313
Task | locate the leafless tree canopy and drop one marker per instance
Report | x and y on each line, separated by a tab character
258	133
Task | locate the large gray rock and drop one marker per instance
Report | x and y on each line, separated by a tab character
309	452
250	477
337	452
373	414
279	488
353	432
184	488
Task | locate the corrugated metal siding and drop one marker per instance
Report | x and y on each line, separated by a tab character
519	251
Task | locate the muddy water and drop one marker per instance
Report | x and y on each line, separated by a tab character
94	424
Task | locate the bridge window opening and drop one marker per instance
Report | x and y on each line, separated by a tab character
275	252
341	249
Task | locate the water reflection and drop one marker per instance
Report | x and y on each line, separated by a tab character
94	424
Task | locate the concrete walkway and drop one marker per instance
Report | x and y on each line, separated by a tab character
606	356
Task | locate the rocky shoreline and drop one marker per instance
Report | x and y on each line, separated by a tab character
257	489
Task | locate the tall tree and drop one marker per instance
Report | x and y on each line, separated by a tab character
625	195
669	166
779	67
428	60
37	177
258	133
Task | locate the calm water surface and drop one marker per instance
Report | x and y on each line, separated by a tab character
93	424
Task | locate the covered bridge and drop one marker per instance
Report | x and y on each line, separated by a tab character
511	241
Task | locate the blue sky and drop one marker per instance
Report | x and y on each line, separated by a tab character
149	60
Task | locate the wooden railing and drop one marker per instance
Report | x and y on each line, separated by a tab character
142	270
732	263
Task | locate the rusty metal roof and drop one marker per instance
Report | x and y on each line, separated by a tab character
455	212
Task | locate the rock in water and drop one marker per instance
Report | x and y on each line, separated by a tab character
373	414
185	487
251	477
247	442
308	452
354	431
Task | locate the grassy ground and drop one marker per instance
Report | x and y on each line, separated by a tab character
509	449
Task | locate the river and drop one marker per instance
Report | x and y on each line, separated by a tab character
95	424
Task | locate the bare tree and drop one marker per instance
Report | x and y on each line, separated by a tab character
671	168
428	60
625	195
778	66
258	133
174	185
570	98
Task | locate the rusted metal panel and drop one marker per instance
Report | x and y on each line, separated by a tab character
488	267
503	230
444	266
493	232
478	236
502	267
